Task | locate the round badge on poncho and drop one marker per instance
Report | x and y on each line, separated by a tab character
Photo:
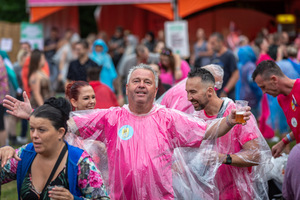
125	132
294	122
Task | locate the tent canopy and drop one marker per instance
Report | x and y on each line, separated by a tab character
44	3
42	8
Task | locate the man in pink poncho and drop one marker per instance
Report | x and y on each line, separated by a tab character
140	138
242	148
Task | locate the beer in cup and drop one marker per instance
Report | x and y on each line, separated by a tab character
240	110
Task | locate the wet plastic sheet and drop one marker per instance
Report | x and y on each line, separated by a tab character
140	152
248	144
176	98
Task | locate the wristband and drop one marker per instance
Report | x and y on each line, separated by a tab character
284	141
289	137
225	89
228	123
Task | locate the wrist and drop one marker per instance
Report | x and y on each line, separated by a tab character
226	90
228	160
228	122
285	141
288	136
30	114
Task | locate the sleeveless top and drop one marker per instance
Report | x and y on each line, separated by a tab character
44	90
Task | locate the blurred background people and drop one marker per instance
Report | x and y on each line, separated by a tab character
201	51
149	41
100	56
105	98
224	58
3	91
172	68
38	81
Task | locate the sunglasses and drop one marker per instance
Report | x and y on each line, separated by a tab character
166	52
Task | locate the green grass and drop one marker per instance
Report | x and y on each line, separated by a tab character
9	191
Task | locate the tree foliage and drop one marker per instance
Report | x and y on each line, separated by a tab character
13	10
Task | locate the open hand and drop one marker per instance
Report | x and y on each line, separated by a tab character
7	153
18	108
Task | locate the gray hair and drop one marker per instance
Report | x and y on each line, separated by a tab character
143	66
217	72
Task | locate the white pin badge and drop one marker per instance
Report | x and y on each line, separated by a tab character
294	122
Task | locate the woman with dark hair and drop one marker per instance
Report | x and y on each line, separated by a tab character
170	69
81	95
38	81
50	161
149	41
263	46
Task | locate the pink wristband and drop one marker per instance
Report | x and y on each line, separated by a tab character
225	89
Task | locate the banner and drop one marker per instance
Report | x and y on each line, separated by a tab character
177	37
33	34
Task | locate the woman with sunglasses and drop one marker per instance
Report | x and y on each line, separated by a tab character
171	72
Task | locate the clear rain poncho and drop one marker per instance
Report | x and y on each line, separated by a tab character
140	161
176	98
248	144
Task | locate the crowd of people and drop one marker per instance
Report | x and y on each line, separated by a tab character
119	144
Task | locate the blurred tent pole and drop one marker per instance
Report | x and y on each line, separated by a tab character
175	10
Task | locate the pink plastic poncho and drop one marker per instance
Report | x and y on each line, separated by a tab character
242	182
176	97
140	149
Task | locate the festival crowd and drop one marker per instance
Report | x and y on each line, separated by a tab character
123	118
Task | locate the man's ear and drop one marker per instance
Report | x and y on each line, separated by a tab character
274	78
127	89
210	92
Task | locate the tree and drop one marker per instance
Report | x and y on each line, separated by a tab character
13	10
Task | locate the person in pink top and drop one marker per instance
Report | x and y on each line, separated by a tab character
244	152
263	46
272	80
140	138
170	72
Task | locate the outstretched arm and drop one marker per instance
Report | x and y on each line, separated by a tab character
18	108
221	128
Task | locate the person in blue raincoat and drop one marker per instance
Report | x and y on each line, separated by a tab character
248	89
101	57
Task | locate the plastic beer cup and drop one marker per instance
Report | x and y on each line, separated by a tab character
240	110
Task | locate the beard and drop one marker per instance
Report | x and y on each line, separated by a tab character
198	106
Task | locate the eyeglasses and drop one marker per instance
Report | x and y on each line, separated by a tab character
166	52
